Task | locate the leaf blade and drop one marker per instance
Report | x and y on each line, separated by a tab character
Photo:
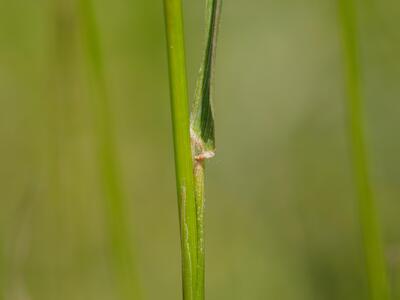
202	117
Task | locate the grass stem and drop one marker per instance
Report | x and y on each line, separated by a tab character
194	139
182	145
119	233
368	216
199	178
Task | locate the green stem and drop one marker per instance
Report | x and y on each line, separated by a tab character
182	145
374	254
118	228
199	175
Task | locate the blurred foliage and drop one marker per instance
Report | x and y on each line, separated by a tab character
281	217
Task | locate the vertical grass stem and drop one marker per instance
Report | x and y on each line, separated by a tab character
117	224
182	144
368	216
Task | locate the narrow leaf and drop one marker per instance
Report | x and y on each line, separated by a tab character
368	216
202	118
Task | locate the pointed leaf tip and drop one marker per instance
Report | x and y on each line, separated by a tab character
202	118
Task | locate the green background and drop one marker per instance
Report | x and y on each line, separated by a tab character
281	215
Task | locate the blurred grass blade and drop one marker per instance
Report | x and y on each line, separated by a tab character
117	224
375	260
202	118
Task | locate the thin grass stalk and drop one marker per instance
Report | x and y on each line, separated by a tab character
199	178
118	229
194	141
182	145
203	131
368	215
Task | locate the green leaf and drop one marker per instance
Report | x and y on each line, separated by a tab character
202	117
376	265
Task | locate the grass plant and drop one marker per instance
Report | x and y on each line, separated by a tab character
368	215
117	224
194	139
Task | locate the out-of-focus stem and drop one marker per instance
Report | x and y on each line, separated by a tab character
368	216
117	224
